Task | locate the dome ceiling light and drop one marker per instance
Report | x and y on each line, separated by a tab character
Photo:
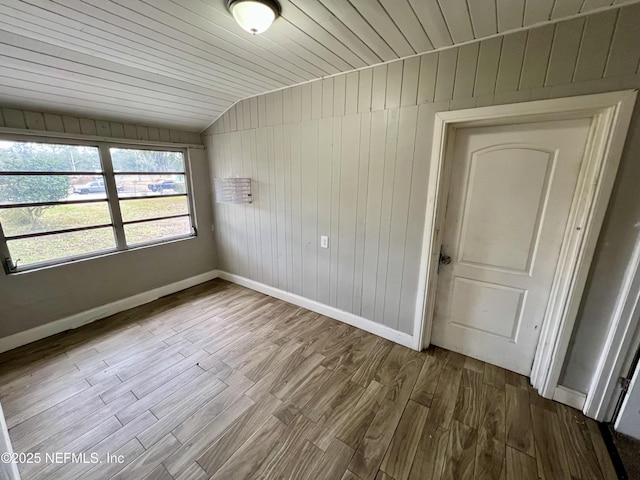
254	16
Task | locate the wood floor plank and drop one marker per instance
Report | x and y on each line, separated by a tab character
348	405
192	472
392	364
399	457
193	447
149	460
221	450
604	460
520	466
427	382
494	376
234	393
355	426
581	456
444	398
460	461
334	462
468	409
369	368
550	450
518	421
336	416
431	453
285	449
246	461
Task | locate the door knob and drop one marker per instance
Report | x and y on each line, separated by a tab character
445	259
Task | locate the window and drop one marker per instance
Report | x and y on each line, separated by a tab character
60	202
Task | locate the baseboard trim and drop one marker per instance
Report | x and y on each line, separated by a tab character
332	312
83	318
569	397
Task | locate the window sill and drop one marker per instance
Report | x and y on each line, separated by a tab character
94	256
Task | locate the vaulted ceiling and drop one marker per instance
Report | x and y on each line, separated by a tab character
181	63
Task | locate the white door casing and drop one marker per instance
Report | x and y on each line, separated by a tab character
509	198
611	114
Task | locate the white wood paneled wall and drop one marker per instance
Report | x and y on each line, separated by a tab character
29	120
347	157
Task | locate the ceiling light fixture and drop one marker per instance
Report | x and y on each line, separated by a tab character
254	16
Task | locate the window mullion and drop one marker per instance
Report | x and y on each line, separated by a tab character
112	196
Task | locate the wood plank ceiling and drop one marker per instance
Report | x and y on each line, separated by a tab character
181	63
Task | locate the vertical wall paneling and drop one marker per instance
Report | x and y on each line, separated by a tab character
309	176
247	209
510	64
239	115
281	188
288	207
351	93
273	176
253	106
339	92
327	98
364	90
487	71
296	206
379	87
427	80
335	201
316	99
232	118
388	176
410	73
394	85
446	75
361	212
263	203
466	71
564	52
594	47
347	211
296	104
536	57
305	99
262	111
407	129
625	46
246	113
374	207
286	106
325	151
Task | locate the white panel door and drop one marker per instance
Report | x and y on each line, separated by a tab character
508	205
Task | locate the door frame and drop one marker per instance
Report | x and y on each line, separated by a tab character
611	115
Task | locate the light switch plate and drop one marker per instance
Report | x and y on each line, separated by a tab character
324	241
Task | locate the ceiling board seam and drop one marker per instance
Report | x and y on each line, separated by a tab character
448	47
372	27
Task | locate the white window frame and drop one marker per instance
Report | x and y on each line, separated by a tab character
111	198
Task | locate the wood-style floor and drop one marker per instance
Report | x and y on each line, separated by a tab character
222	382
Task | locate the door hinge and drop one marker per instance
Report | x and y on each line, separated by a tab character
624	383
